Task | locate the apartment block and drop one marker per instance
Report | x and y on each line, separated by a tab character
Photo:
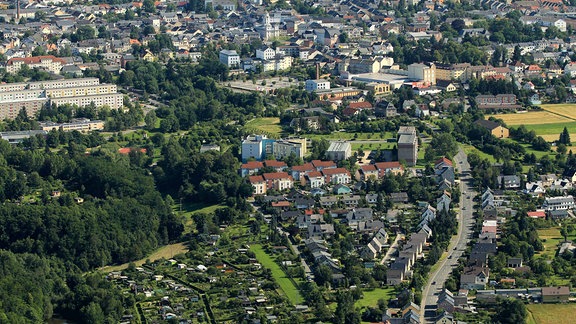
408	145
49	63
114	101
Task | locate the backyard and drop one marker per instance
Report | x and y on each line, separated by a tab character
286	285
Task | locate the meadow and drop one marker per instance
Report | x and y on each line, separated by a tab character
267	125
551	313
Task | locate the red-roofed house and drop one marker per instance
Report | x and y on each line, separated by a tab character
442	163
278	181
315	179
321	165
277	165
337	175
250	168
385	168
537	214
298	171
366	172
259	185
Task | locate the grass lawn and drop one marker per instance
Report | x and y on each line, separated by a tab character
539	154
189	209
470	148
278	274
550	239
268	125
372	146
551	313
166	252
370	297
551	132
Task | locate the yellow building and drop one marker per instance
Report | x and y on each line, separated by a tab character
378	88
495	129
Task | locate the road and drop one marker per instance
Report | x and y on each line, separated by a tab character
457	244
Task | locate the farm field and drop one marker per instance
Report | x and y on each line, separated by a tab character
548	124
532	118
551	313
566	110
268	125
278	274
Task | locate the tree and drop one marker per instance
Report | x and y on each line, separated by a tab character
458	24
564	137
511	311
150	120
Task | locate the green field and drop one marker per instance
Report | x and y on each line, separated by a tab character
551	132
551	313
553	238
286	285
370	297
267	125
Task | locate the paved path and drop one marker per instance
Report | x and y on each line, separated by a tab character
393	248
457	244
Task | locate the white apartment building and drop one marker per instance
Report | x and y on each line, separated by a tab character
558	203
265	53
114	101
93	90
284	148
230	58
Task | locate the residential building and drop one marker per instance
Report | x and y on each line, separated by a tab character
82	125
286	147
265	53
494	128
318	84
259	185
48	63
339	150
230	58
337	176
408	145
113	101
500	101
256	147
555	294
558	203
278	181
474	277
422	72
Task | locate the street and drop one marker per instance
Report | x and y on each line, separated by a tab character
457	244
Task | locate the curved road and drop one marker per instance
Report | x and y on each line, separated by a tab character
457	244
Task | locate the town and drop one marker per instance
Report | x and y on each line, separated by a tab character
253	161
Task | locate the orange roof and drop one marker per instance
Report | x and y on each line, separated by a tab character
137	4
537	214
256	179
311	212
34	59
369	167
444	160
134	42
335	171
274	163
303	167
126	150
276	175
280	204
314	174
252	165
388	165
360	105
323	164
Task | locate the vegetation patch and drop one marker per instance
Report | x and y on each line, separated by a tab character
370	297
532	118
551	313
165	252
267	125
289	289
566	110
